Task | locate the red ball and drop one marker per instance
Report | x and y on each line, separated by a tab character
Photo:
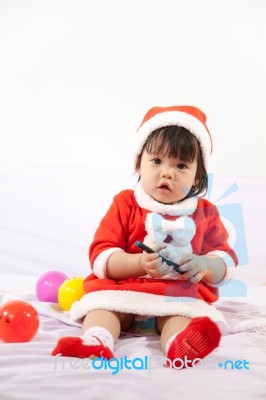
19	322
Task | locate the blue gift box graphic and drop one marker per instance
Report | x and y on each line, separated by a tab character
232	213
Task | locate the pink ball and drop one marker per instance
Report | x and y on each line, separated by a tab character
48	284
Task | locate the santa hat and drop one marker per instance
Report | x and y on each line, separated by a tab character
189	117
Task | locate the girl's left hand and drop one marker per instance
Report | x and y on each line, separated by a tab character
195	266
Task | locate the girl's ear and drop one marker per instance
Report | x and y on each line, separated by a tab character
137	175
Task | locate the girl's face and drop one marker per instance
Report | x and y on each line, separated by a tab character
166	179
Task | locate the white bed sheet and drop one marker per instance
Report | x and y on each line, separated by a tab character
29	372
47	219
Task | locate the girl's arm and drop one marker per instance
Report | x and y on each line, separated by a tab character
137	265
217	256
210	268
215	269
115	267
108	256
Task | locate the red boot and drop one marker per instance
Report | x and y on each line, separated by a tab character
74	347
197	340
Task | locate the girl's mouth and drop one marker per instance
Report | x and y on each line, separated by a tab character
164	188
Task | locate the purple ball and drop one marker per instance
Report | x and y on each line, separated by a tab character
48	285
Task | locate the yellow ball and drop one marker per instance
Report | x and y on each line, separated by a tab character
70	290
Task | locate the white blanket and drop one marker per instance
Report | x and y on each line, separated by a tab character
47	219
29	372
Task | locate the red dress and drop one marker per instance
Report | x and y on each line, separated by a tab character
191	226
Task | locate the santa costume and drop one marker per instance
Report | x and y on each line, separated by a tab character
190	226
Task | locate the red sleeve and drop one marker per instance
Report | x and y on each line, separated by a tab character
216	235
112	232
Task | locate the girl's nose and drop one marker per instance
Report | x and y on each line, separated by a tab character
168	173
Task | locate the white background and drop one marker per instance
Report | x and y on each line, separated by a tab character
77	77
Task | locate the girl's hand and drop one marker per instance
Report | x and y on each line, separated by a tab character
196	267
153	265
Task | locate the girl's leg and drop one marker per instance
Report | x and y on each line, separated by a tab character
113	321
168	326
100	329
187	339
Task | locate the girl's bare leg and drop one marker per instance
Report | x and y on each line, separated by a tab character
113	321
188	340
168	326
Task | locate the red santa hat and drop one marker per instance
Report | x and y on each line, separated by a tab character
189	117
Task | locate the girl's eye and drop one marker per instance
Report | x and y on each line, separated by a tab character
156	160
181	166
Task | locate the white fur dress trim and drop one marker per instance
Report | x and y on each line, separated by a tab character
139	303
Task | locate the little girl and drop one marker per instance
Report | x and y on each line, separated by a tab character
166	213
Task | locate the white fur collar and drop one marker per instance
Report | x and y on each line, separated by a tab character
185	207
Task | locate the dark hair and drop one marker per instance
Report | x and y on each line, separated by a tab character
178	142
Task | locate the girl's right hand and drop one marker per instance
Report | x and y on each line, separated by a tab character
153	265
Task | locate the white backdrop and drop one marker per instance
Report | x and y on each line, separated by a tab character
77	76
